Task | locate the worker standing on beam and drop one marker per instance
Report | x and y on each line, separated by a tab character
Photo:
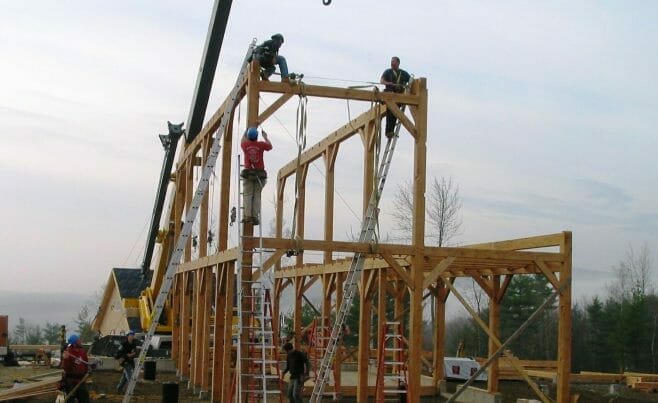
267	54
395	80
253	174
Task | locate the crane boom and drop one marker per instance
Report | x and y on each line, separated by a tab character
214	40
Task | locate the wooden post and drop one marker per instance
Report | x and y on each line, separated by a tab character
418	242
175	307
340	282
203	211
225	187
189	192
208	291
494	325
365	321
564	325
439	332
196	329
217	383
186	317
329	188
227	361
297	320
301	208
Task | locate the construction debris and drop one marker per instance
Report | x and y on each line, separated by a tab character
48	385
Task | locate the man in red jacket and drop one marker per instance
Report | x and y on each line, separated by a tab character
254	173
75	365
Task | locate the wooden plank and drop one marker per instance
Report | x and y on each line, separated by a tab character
273	108
547	272
432	276
401	272
393	107
535	242
338	93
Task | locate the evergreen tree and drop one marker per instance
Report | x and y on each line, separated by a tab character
524	295
599	328
83	321
51	333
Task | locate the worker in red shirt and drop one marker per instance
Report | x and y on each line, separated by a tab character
76	366
254	175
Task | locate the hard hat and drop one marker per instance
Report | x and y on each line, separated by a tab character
73	338
252	133
278	36
130	333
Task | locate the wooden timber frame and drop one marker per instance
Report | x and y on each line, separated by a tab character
204	287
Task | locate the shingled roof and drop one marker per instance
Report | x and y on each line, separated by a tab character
130	281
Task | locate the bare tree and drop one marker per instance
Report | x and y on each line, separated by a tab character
443	216
402	211
443	211
632	274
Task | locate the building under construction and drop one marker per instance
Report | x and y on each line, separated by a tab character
225	341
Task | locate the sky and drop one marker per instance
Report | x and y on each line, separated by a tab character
544	113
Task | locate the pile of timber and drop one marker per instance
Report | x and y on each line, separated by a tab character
534	368
548	370
46	384
644	382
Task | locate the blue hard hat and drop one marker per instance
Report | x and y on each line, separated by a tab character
73	338
252	133
130	333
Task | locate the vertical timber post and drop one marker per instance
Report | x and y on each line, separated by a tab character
494	326
418	242
564	326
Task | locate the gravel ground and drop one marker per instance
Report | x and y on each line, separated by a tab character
103	383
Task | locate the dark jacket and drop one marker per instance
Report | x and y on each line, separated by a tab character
266	53
125	349
297	364
400	78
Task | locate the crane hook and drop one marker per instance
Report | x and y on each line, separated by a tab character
326	2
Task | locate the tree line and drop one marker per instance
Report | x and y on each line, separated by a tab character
614	332
26	333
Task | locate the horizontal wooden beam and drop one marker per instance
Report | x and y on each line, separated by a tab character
207	261
338	93
542	241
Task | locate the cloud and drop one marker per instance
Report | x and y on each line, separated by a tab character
543	114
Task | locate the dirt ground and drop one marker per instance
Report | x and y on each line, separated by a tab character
101	385
103	382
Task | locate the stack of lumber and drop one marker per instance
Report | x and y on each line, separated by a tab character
534	368
47	385
644	382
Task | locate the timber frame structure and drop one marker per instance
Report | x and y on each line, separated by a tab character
204	286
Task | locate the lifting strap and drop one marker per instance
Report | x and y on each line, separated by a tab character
300	139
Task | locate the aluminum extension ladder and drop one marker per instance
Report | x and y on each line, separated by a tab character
257	372
190	217
354	274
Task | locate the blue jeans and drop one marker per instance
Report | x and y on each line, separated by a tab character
283	67
125	377
295	390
